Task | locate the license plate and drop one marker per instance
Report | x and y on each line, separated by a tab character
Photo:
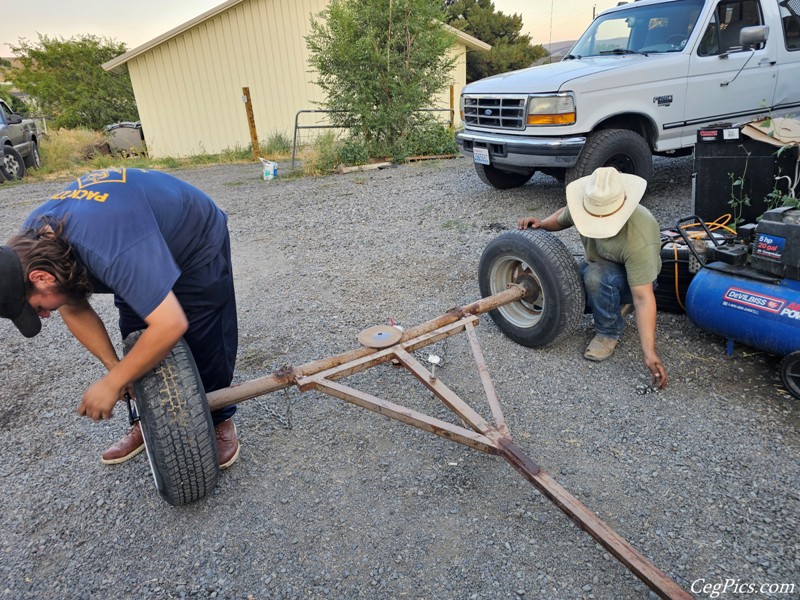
481	156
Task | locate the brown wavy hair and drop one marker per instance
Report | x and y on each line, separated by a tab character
42	247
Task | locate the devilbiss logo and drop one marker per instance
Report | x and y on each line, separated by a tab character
758	301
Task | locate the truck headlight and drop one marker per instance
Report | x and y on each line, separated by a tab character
556	109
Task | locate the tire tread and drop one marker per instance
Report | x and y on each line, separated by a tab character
177	425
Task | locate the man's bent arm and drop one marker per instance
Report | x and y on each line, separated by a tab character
549	223
88	329
644	301
165	326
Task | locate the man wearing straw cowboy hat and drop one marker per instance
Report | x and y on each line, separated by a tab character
622	243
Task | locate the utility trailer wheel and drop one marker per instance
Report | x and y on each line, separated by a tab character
502	180
538	260
790	373
176	425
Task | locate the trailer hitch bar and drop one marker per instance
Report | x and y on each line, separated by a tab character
477	432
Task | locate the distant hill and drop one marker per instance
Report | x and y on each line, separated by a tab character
14	63
557	51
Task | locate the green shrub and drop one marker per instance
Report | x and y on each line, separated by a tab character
353	151
431	138
277	144
323	156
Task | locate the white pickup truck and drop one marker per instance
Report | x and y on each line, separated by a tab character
641	81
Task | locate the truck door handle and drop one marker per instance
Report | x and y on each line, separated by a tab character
766	62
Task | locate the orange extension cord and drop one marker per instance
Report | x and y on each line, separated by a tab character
720	223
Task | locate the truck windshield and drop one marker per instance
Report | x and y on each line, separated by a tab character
643	29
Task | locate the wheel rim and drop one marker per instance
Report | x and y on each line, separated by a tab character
790	373
523	313
622	163
12	166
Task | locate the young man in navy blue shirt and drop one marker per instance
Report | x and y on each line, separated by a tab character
162	247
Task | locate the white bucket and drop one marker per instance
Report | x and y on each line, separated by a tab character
270	169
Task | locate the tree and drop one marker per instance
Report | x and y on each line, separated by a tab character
510	49
379	62
69	85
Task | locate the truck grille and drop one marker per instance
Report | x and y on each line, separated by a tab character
507	112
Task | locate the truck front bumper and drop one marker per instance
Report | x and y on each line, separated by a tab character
520	153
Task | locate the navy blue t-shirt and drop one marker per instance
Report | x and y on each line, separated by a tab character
136	231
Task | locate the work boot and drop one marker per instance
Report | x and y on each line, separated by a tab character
227	443
128	446
600	348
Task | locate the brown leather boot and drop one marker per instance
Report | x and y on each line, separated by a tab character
128	446
600	348
227	443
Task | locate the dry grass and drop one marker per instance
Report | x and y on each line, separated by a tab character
68	153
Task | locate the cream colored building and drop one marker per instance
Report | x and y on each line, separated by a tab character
189	81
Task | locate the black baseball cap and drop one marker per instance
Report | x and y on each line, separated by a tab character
14	303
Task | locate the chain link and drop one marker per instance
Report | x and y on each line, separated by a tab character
284	419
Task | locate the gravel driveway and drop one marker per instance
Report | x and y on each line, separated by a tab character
703	478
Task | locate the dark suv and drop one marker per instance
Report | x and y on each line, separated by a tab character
19	144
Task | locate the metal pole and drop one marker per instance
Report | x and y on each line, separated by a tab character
284	378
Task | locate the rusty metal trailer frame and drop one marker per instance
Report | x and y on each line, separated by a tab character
323	376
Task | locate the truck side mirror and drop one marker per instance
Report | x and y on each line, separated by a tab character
14	119
753	36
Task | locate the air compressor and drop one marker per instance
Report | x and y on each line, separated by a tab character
748	289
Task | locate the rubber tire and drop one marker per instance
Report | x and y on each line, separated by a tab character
559	306
790	373
14	165
176	425
501	180
560	174
625	150
34	159
666	298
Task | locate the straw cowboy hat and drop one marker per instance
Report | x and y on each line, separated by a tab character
601	203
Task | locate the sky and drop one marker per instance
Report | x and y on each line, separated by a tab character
546	21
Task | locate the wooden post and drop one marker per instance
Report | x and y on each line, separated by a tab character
452	107
251	121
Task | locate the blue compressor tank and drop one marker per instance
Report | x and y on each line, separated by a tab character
761	312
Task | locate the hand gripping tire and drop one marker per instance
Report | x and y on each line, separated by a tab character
556	299
176	425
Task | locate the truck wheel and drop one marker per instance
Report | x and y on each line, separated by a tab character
790	373
556	299
557	172
14	165
625	150
34	159
176	425
501	180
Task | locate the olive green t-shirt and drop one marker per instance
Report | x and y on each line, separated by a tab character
637	246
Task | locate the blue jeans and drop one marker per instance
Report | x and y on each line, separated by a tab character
607	289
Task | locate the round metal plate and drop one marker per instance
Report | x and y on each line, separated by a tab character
379	336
